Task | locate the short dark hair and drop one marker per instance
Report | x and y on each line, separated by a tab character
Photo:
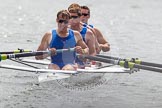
75	8
74	5
86	7
64	13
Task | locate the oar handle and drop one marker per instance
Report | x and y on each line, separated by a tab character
65	50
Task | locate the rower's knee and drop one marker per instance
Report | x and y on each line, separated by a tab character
68	67
53	66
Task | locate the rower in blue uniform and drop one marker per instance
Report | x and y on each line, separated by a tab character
75	13
62	38
85	25
101	42
83	33
57	42
87	35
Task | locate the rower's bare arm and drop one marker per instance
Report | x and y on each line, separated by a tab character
91	41
105	46
81	43
97	46
44	45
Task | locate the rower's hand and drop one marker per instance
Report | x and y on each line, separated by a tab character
53	51
98	50
98	47
105	47
79	50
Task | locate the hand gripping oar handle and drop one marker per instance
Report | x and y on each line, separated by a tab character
122	63
34	53
135	60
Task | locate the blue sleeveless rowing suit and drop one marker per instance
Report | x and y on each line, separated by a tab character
64	58
85	25
83	33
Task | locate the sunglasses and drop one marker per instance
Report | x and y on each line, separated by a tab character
63	21
84	14
74	17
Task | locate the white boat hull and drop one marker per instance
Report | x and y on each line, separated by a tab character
87	70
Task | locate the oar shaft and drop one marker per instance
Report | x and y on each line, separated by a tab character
15	51
122	63
151	64
24	50
29	54
34	53
148	68
105	56
137	61
111	61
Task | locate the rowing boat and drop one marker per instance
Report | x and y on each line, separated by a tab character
50	74
45	74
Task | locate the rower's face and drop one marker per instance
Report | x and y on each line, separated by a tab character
75	19
62	22
85	15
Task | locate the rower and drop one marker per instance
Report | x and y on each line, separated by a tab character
62	38
103	43
87	35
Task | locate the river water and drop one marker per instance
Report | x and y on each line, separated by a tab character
132	27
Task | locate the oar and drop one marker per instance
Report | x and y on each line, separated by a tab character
135	60
15	51
125	64
29	54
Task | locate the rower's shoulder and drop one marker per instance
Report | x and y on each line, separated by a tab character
47	36
77	35
97	30
76	32
48	33
89	32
